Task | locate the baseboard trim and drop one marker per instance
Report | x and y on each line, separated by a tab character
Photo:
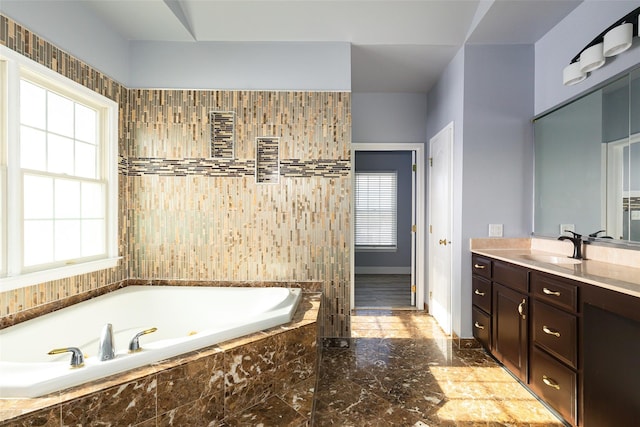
382	270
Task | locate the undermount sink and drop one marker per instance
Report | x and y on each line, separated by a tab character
552	259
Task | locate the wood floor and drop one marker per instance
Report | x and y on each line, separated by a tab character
383	290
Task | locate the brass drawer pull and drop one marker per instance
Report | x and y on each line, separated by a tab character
478	266
546	330
551	383
478	325
477	292
521	308
550	292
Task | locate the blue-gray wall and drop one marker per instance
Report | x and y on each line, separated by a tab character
75	28
398	261
231	65
388	117
445	104
487	91
556	48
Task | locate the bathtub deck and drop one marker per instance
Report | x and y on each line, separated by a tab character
196	388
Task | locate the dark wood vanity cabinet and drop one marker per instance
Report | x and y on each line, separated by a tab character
610	358
553	368
499	316
575	345
481	300
510	317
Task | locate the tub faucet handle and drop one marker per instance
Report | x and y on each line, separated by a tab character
77	359
134	344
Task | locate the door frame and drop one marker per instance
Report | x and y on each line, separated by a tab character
419	149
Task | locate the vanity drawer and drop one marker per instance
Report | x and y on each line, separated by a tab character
562	293
481	327
481	266
554	383
481	293
510	275
556	331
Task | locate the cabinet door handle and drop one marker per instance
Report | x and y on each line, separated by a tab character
477	292
521	308
550	382
478	325
479	267
546	330
550	292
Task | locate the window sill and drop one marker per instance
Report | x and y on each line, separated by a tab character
376	249
29	279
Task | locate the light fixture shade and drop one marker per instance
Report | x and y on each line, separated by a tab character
572	74
592	58
618	39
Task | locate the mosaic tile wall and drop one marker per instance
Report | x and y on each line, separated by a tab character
187	216
196	218
23	41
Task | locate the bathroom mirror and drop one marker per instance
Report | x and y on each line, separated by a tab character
587	164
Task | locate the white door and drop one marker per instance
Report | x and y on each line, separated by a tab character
440	208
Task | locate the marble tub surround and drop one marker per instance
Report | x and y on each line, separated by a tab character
206	387
402	370
611	268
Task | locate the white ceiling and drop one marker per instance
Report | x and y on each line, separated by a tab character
397	45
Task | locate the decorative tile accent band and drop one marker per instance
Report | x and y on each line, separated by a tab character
230	168
267	165
321	167
184	167
222	125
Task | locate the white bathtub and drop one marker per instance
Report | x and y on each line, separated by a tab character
187	318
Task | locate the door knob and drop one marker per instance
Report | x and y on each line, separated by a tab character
443	242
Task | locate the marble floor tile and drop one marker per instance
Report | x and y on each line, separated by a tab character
402	370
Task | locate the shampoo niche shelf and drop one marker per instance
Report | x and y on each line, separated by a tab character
267	160
222	134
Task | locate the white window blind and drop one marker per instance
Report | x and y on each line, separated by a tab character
376	210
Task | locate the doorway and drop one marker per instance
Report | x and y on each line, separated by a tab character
378	278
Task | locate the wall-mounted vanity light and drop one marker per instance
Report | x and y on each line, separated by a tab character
612	41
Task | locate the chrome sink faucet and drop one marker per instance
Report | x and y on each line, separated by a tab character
576	239
106	346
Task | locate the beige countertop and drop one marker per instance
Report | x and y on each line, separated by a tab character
620	278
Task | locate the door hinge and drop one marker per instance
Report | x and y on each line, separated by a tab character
413	289
414	228
430	161
430	295
430	228
414	167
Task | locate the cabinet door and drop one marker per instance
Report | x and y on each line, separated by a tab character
510	340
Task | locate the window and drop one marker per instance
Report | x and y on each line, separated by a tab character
376	210
59	176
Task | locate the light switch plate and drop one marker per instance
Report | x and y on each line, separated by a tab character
565	227
495	230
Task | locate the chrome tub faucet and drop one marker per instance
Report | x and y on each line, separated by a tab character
106	346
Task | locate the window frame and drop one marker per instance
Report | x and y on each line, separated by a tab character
371	247
14	68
